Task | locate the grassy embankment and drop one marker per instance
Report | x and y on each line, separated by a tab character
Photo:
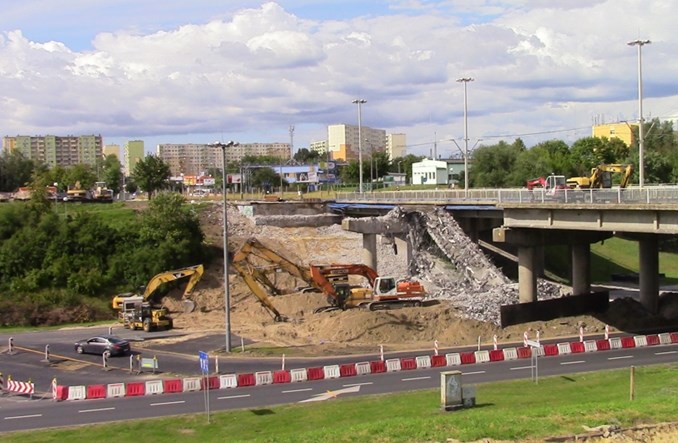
516	410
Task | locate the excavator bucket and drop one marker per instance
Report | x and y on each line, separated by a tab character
189	306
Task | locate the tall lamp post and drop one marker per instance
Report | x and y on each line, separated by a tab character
227	296
360	102
465	80
641	135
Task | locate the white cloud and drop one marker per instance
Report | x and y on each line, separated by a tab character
252	71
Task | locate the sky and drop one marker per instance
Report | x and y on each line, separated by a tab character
174	71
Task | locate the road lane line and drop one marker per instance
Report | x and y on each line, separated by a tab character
666	353
233	396
23	416
414	378
168	403
97	410
620	358
576	362
297	390
473	373
520	367
357	384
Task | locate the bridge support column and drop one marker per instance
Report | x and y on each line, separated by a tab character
581	268
649	273
370	250
527	277
404	247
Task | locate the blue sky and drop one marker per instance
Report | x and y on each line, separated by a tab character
175	71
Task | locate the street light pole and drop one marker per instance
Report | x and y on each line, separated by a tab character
360	102
641	135
227	295
465	80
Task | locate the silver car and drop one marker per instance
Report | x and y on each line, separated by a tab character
102	343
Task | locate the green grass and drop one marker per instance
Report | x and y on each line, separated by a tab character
508	410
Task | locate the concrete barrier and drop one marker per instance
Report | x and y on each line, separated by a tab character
348	370
563	349
246	379
282	376
496	355
96	391
603	345
423	362
438	361
510	354
640	341
665	339
192	384
363	368
134	389
453	359
172	386
228	381
154	387
577	347
590	346
263	378
331	371
393	365
482	356
315	373
408	363
77	393
114	390
652	340
615	343
298	375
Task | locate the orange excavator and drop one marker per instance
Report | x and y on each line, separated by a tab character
550	184
381	292
255	262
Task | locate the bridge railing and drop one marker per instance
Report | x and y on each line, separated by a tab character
485	196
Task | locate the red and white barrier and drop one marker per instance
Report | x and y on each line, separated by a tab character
20	387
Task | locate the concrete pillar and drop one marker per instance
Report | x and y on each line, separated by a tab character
540	260
404	249
370	250
649	273
581	269
527	278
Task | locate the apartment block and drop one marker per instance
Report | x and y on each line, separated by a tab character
196	159
133	153
396	145
53	150
622	131
343	141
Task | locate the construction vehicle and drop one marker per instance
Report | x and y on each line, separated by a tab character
601	177
76	194
550	184
101	193
381	292
140	311
255	262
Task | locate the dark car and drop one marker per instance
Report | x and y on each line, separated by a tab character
102	343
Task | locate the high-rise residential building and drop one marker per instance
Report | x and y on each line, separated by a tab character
622	131
112	150
53	150
342	141
396	145
196	159
133	154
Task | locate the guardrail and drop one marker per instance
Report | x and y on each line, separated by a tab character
486	196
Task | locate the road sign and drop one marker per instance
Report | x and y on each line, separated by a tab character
532	343
204	362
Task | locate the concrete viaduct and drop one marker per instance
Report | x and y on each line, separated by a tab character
530	227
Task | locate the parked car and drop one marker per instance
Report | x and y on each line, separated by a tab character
102	343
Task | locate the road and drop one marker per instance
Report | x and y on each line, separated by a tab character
18	413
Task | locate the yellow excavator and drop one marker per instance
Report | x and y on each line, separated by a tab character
140	311
601	177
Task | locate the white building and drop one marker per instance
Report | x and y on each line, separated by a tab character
437	172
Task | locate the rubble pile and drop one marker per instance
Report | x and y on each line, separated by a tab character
456	269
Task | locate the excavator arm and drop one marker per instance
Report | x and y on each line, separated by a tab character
327	277
256	281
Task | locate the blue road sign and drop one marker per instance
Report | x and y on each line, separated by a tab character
204	362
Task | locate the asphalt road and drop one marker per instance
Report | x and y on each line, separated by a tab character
19	413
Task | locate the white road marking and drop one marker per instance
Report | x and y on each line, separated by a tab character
357	384
415	378
168	403
620	358
233	396
97	410
297	390
473	373
520	367
23	416
576	362
666	353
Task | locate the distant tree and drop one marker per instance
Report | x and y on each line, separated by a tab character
15	170
549	157
491	163
151	174
306	156
112	173
266	178
404	164
80	173
380	162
